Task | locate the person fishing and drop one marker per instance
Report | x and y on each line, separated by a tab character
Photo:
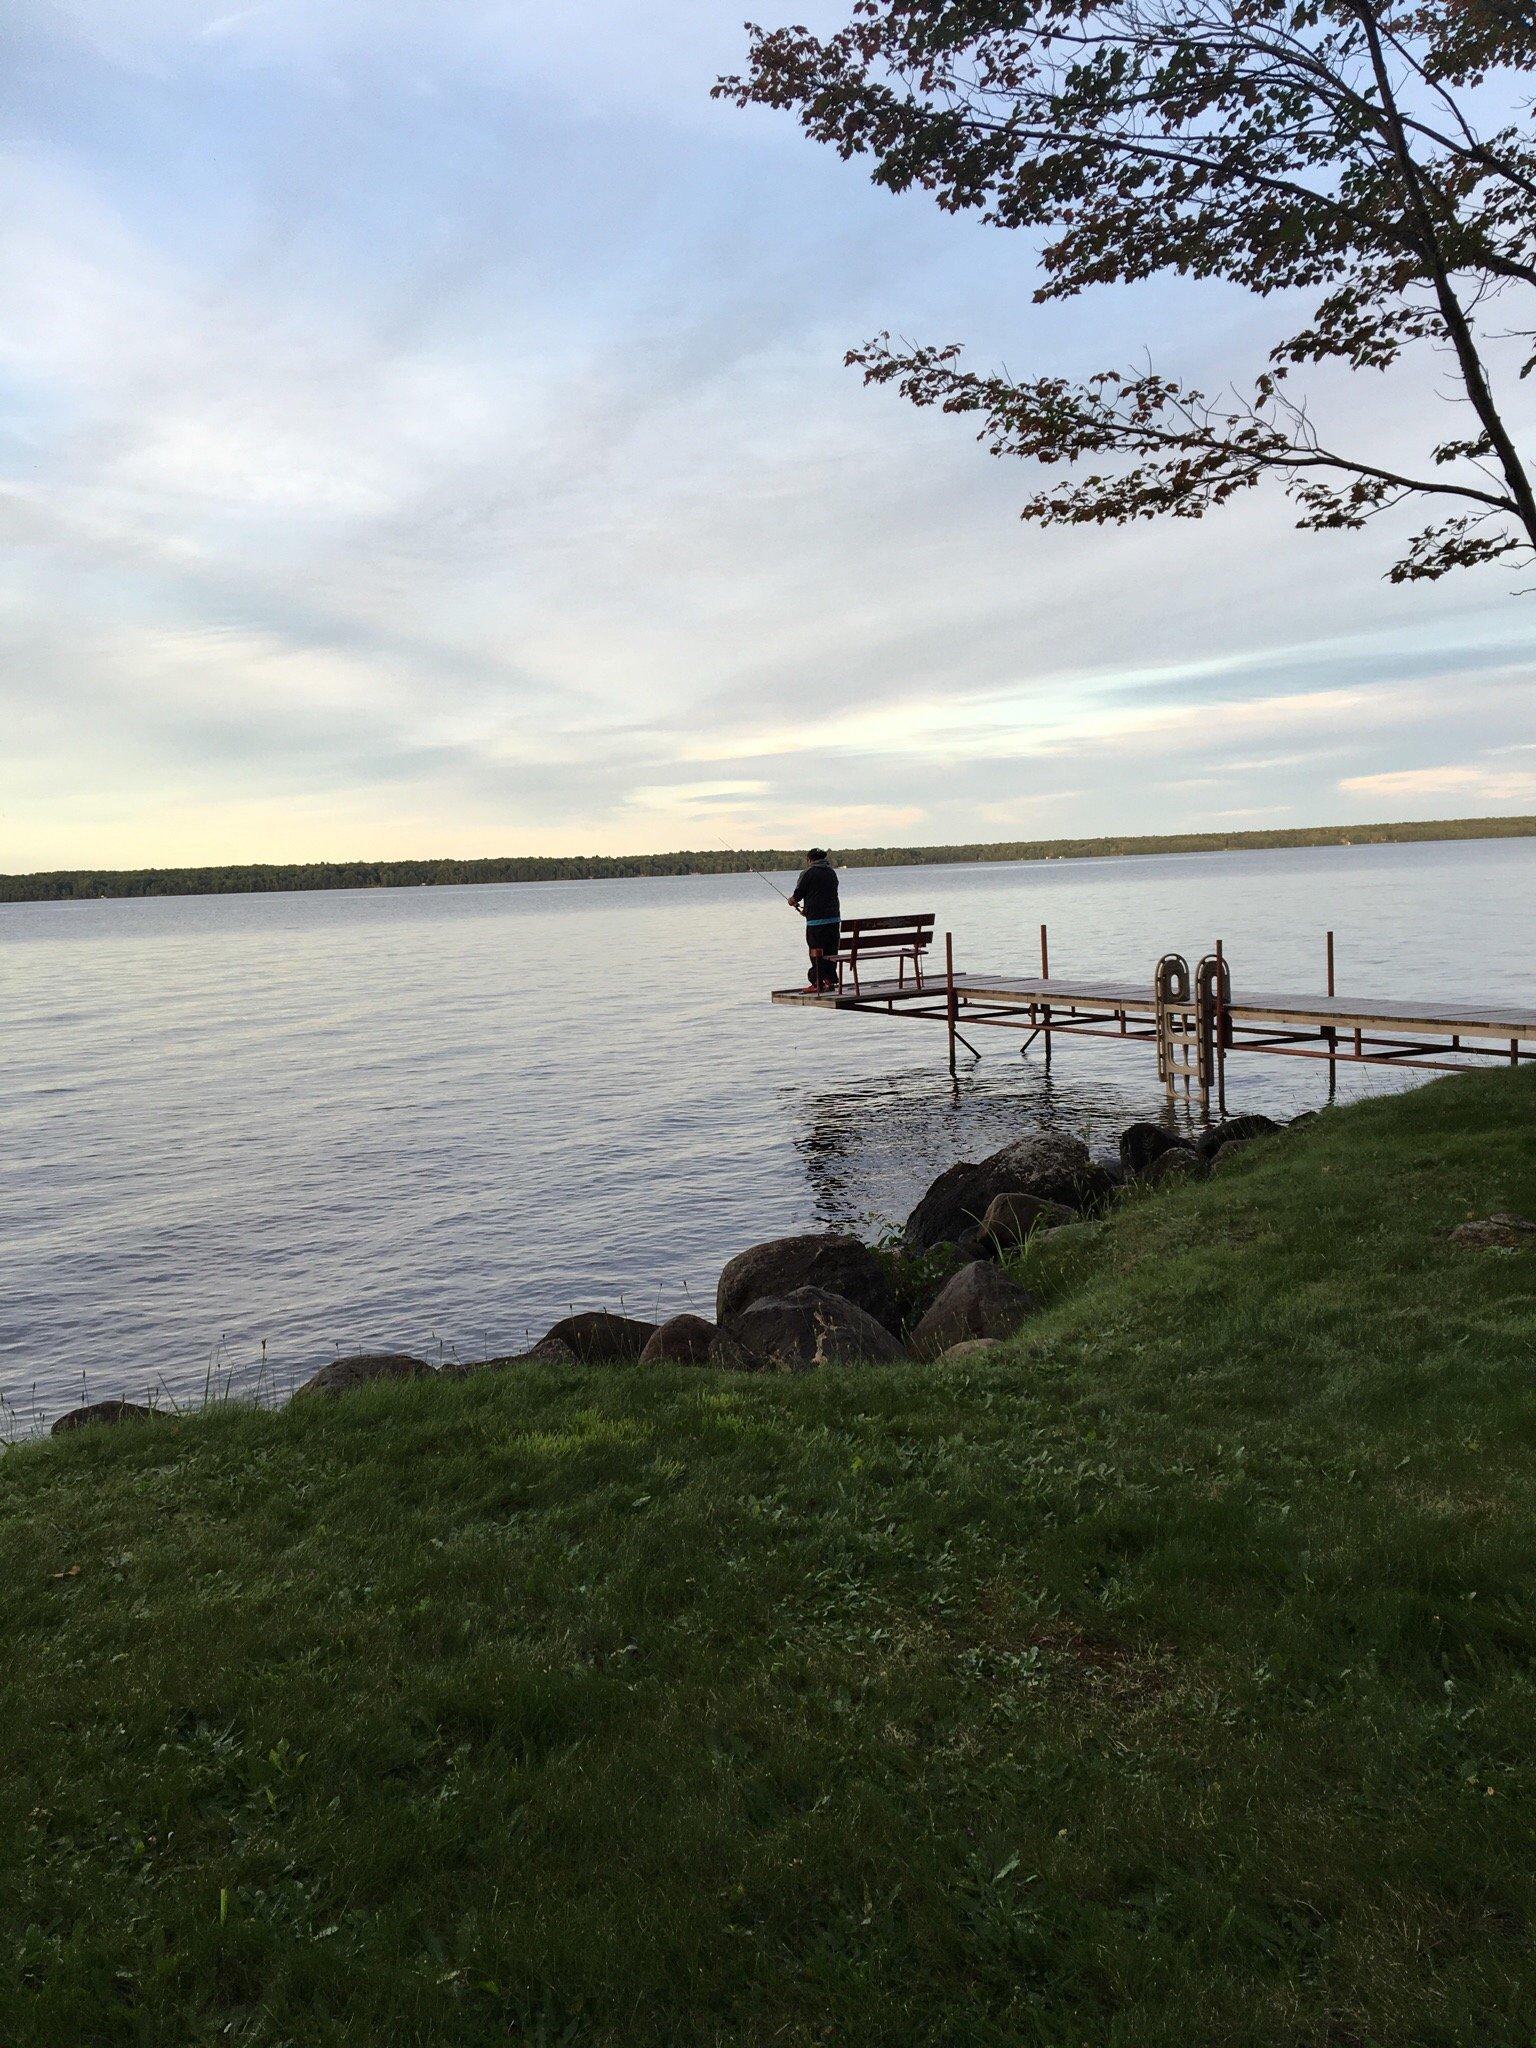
815	897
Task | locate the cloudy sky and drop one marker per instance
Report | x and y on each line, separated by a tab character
423	429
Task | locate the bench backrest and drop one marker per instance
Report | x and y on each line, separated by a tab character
913	934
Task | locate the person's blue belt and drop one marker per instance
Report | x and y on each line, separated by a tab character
810	921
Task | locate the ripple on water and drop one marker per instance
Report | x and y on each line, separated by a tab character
436	1119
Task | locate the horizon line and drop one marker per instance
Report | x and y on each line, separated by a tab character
448	870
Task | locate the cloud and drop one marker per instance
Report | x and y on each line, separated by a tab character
1465	782
438	441
1071	720
677	798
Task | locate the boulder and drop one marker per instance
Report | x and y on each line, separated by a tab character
598	1337
1175	1165
683	1340
727	1355
951	1206
978	1301
1230	1154
1210	1142
1056	1168
974	1243
548	1351
1140	1144
809	1327
1502	1231
937	1266
1303	1116
361	1370
101	1411
971	1351
1012	1216
827	1260
1049	1166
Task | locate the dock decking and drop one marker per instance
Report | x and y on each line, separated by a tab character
1197	1021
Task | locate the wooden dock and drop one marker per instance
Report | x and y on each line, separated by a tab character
1196	1021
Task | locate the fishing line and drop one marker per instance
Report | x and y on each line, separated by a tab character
782	894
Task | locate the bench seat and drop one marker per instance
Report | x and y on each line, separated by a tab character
902	939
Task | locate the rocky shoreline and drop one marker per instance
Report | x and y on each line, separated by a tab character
823	1298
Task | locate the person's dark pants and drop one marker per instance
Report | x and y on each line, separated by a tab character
821	939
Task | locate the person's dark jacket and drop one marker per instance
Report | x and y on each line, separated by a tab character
816	891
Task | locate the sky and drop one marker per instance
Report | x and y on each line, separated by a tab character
424	431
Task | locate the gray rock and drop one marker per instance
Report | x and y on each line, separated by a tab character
1140	1144
683	1340
938	1266
1012	1216
978	1301
1210	1142
1303	1116
548	1351
971	1351
1047	1165
974	1243
599	1338
810	1327
342	1375
835	1263
101	1411
951	1205
1177	1164
1503	1231
1056	1168
727	1355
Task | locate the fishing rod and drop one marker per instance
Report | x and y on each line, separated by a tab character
782	894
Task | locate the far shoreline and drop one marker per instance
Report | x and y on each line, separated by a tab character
75	885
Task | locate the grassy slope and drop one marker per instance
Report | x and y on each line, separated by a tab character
1170	1682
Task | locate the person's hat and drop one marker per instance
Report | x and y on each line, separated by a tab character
817	853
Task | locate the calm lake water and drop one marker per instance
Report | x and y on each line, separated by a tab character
435	1119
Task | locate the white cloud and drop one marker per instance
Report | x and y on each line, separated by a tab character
439	441
1067	720
1465	781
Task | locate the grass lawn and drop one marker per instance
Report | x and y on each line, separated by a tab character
1170	1680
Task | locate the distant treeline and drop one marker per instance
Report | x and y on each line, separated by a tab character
84	883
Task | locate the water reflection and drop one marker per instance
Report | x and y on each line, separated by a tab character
869	1147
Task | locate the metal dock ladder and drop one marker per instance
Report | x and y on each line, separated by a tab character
1192	1026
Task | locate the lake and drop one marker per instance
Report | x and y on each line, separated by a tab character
240	1132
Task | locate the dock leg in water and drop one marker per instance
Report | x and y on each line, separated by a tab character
951	1001
1220	1048
1045	975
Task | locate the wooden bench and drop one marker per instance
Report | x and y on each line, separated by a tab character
901	939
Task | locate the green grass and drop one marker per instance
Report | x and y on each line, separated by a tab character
1168	1681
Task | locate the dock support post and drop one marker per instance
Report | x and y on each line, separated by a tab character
1220	1048
1331	1035
951	1001
1045	975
